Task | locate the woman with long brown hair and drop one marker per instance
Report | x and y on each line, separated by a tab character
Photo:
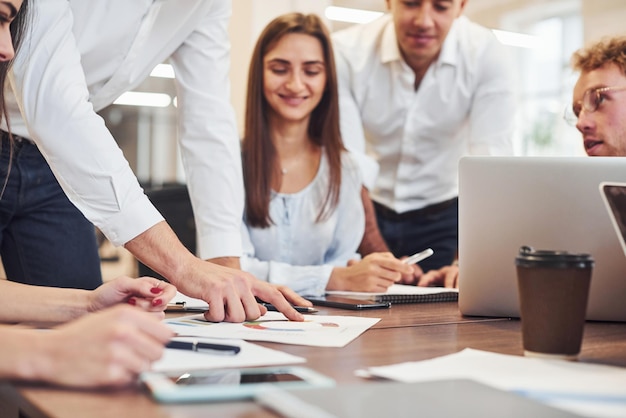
304	217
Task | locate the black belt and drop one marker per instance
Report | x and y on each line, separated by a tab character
5	137
18	141
392	215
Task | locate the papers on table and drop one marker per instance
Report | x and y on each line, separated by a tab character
251	355
588	389
316	330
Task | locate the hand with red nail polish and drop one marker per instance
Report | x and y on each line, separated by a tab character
146	293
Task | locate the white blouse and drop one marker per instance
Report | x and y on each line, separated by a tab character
299	252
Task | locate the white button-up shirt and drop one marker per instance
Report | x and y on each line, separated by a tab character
79	56
409	141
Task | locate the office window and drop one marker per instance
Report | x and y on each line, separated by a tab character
546	80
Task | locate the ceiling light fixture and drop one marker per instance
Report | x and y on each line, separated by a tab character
520	40
137	98
344	14
163	71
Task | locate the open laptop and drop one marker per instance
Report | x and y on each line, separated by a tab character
548	203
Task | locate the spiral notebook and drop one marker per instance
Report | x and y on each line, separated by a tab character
400	293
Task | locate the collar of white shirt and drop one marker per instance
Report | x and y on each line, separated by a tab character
449	51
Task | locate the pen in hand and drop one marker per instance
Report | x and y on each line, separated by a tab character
209	348
417	257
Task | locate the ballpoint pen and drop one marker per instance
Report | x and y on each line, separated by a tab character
301	309
204	347
416	258
183	307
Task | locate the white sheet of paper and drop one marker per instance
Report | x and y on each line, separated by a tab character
251	355
316	330
583	388
189	301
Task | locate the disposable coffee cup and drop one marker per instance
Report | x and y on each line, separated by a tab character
553	292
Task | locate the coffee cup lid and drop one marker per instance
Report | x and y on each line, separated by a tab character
529	257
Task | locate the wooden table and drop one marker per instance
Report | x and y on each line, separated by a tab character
405	333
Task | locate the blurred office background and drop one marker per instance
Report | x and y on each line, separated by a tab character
542	34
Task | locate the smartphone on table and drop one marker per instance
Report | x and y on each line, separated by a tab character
342	302
228	384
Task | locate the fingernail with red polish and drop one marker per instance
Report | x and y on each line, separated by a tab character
132	301
155	290
157	302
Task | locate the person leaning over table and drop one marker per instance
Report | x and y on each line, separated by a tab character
77	58
304	217
598	107
419	88
100	349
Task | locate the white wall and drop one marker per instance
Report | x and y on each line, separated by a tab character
600	17
603	18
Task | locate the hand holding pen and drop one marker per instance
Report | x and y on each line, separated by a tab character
417	271
417	257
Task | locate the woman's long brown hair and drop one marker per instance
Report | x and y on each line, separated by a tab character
259	153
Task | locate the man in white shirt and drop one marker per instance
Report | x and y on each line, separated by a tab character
419	88
79	56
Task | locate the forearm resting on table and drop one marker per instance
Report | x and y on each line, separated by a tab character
19	354
24	303
26	355
102	349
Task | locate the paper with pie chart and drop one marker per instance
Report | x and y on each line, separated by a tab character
316	330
